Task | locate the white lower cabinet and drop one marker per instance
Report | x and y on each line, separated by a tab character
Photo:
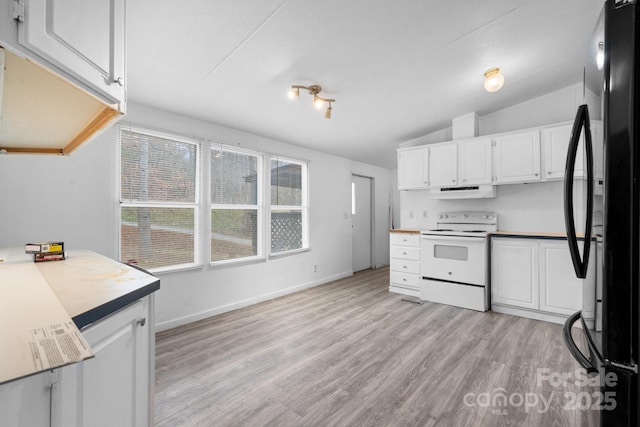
27	402
405	263
535	278
115	388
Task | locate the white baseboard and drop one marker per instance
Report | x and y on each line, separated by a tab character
168	324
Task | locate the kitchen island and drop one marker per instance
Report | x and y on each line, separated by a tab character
109	306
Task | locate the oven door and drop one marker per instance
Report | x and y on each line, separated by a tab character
454	258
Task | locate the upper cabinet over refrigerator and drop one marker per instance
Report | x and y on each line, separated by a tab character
65	72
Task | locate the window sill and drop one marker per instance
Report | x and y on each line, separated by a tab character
237	262
287	253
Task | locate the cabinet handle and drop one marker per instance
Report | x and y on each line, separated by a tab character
404	253
142	321
535	174
404	266
119	81
453	180
549	173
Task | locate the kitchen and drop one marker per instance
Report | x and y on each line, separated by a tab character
86	203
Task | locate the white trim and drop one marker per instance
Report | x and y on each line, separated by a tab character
168	324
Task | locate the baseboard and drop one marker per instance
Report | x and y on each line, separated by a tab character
173	323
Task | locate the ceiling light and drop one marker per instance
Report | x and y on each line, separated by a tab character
493	80
318	101
600	56
294	92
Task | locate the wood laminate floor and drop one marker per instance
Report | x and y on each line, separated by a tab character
349	353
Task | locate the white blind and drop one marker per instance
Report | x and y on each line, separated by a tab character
236	186
159	186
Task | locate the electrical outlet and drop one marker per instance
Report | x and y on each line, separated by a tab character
425	214
315	268
410	214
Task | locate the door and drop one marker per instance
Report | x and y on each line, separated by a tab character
361	222
454	259
556	143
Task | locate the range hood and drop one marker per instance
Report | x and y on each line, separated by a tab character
41	112
469	192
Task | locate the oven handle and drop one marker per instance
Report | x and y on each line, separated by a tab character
453	238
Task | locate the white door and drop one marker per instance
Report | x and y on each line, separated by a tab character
450	258
361	222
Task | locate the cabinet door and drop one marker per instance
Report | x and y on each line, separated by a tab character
413	168
514	272
561	291
111	389
556	144
517	158
474	162
26	402
83	38
443	165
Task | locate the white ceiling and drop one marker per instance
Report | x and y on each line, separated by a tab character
398	69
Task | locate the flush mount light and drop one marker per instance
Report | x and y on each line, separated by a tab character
318	101
493	80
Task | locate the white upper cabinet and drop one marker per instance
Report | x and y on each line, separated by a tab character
443	165
474	161
556	145
85	39
64	72
413	168
516	158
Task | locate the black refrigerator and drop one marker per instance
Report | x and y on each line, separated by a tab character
612	345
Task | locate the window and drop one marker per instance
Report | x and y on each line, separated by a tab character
249	205
159	195
236	212
288	206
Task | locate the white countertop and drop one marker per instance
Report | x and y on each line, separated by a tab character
41	302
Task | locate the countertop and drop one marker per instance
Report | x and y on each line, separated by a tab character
43	306
506	233
534	234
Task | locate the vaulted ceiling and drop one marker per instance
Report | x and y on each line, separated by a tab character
398	69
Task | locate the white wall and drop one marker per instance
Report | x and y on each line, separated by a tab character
521	207
74	199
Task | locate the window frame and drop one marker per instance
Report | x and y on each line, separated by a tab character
196	205
303	208
203	204
260	223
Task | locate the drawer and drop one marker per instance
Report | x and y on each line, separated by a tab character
405	265
405	252
405	239
405	280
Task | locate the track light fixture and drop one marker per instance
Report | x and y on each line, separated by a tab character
318	101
